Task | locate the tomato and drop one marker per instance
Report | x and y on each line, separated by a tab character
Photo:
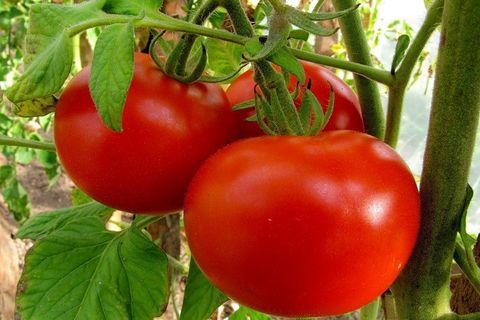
347	113
303	226
169	129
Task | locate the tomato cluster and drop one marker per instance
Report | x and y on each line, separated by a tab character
291	226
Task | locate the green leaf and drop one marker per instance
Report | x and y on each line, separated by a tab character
82	271
112	72
151	8
79	197
17	199
201	297
48	55
6	172
400	49
245	313
223	57
43	224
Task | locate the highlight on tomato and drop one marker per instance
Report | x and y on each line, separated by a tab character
303	226
347	113
169	129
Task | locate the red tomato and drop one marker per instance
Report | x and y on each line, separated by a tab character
347	113
303	226
169	129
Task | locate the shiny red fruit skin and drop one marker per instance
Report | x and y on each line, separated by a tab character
169	129
303	226
347	113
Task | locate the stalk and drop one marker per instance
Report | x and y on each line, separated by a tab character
397	90
358	51
423	287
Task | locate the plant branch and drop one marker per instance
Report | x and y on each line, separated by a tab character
19	142
372	73
358	51
423	287
162	22
404	72
471	271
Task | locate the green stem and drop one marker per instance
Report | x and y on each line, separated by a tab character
201	14
423	287
370	311
358	51
404	72
162	22
19	142
471	271
372	73
278	5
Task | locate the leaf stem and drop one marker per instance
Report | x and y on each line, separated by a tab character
471	271
19	142
402	76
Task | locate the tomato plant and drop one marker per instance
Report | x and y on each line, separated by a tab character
169	128
320	225
347	113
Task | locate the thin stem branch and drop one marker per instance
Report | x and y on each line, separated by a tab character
404	72
19	142
373	73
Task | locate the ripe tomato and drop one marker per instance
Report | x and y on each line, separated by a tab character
347	113
303	226
169	129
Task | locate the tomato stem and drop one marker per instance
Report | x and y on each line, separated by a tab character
423	287
358	51
404	72
19	142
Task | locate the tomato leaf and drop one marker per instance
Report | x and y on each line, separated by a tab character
223	57
48	55
201	297
245	313
151	8
112	72
400	49
82	271
44	224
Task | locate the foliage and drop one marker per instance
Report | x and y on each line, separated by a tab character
77	268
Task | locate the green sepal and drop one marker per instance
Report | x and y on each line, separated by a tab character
299	34
244	105
321	16
264	112
301	20
279	31
287	61
199	68
400	49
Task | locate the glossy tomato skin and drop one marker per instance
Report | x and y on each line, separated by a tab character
303	226
347	113
169	129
